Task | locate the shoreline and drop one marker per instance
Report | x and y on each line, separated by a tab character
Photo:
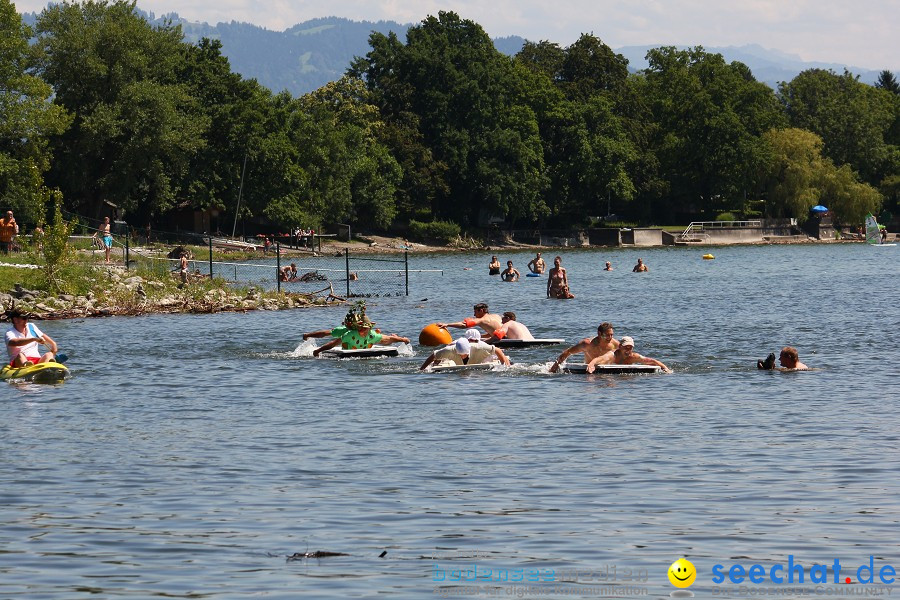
129	294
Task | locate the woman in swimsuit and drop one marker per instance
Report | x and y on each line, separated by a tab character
494	267
511	273
558	281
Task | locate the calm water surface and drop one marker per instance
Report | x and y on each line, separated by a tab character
190	454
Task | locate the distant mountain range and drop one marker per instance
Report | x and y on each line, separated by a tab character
310	54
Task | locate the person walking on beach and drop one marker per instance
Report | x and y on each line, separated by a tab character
9	229
591	347
625	355
487	321
640	267
183	269
558	281
511	273
537	264
105	236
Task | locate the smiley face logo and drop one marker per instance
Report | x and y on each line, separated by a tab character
682	573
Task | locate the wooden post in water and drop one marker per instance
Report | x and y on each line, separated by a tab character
406	268
347	268
278	265
210	258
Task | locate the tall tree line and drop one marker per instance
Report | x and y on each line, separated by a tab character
441	126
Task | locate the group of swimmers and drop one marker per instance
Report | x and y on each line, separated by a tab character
484	329
557	277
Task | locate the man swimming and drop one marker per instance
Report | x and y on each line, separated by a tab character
625	355
592	347
790	360
510	330
537	264
487	321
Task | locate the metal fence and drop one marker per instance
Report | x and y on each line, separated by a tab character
341	273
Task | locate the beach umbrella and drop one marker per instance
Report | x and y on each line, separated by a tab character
819	209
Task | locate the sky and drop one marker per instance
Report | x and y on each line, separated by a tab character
860	33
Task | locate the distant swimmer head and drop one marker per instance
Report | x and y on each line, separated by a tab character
473	334
463	347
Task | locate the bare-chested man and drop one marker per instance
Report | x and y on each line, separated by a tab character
790	360
625	355
537	264
487	321
592	348
511	330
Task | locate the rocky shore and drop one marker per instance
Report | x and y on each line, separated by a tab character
123	293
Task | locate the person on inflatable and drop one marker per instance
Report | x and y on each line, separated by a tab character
591	347
511	330
625	355
466	351
487	321
357	333
23	339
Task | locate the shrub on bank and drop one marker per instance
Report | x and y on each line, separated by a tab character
443	231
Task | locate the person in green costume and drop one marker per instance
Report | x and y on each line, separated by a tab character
356	333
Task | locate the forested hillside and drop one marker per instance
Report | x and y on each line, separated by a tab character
432	130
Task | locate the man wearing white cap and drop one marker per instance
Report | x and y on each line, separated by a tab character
466	352
625	355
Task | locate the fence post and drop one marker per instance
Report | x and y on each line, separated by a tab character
126	248
347	268
210	258
278	265
406	268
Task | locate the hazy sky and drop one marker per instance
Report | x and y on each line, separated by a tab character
862	33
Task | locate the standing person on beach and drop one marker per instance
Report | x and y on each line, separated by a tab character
487	321
105	237
558	281
591	347
640	267
511	273
494	267
625	355
9	229
537	264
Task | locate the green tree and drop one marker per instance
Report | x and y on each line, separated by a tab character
799	177
468	105
135	125
793	176
710	116
888	82
27	118
852	118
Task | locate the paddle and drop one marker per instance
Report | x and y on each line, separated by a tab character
61	357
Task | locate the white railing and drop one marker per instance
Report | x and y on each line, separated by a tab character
697	229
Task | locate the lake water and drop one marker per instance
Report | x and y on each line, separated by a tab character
188	455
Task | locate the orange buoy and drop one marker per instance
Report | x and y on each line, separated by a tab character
433	335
